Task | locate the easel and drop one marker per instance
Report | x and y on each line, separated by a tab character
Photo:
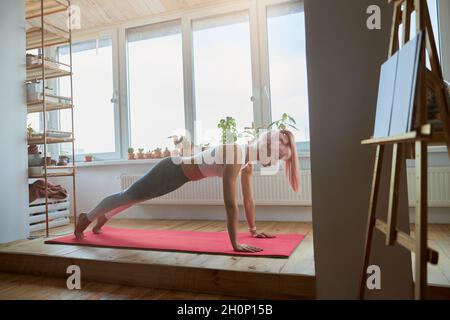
430	128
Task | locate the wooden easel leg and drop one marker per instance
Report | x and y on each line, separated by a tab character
397	161
421	221
372	218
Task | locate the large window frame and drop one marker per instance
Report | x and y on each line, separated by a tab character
113	35
257	11
260	95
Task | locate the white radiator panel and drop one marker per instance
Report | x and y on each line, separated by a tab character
274	190
438	187
268	190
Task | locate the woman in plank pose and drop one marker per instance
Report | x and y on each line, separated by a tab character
224	161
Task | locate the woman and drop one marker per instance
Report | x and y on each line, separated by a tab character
225	161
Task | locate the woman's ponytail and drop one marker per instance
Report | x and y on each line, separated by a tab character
291	165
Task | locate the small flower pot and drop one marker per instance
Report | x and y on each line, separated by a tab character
131	156
48	160
35	160
88	158
157	154
148	155
63	161
141	156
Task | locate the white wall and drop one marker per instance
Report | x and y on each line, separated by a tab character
13	168
344	57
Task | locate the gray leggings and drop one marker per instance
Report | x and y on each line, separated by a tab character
163	178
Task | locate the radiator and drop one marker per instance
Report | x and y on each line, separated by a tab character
268	190
438	187
274	190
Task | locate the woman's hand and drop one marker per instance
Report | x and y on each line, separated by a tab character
261	235
246	248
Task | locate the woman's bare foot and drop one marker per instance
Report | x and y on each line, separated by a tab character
101	221
82	224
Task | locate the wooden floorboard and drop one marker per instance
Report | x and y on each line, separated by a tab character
25	287
219	269
173	277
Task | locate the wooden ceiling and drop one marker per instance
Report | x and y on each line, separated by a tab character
97	13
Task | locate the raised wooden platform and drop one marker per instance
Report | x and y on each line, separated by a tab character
247	277
251	277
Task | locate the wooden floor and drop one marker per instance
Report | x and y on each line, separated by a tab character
252	277
300	262
24	287
439	240
225	273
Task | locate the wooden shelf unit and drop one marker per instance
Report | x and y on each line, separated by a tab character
33	7
40	35
38	106
52	37
53	175
41	141
52	70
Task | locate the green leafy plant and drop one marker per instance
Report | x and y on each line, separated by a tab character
157	153
131	154
140	153
283	123
229	130
30	130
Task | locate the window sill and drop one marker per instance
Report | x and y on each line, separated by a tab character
105	163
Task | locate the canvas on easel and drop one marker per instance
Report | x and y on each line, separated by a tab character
396	92
405	87
385	99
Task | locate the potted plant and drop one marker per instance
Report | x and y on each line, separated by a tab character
131	154
283	123
88	158
63	159
30	131
157	153
49	161
34	156
166	153
229	131
149	154
141	154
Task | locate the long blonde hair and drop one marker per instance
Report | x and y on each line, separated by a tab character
291	167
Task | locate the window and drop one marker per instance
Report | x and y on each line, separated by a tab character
93	86
434	17
287	65
245	60
155	80
223	73
433	9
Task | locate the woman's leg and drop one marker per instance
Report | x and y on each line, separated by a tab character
163	178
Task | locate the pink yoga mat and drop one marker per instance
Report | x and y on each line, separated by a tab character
281	246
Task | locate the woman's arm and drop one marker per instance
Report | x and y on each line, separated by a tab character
249	203
247	193
230	174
